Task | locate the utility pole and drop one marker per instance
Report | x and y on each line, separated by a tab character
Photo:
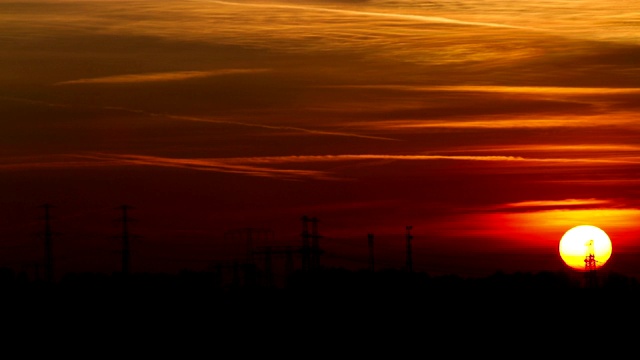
409	259
48	246
371	262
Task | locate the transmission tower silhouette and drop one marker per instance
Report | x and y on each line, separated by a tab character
48	245
125	236
306	247
310	244
409	237
590	266
268	252
372	267
251	235
315	244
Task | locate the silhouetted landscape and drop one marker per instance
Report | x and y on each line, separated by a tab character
326	288
253	286
248	305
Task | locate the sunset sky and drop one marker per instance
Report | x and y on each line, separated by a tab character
490	126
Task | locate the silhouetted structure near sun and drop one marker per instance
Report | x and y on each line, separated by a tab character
590	266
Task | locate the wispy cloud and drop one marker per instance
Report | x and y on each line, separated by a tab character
597	182
263	165
358	157
421	18
558	203
541	90
508	121
244	166
159	76
534	206
215	165
488	158
552	148
214	120
294	129
59	161
489	123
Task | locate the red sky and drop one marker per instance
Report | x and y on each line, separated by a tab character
491	127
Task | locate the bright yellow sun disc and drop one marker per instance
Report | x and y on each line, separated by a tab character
581	241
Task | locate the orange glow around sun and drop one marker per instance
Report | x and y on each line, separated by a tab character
581	241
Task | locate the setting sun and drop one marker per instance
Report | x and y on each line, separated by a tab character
581	241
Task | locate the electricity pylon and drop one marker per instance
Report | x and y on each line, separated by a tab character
590	265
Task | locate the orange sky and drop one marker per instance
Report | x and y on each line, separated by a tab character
490	126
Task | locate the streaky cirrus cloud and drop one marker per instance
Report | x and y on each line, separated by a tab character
51	162
545	90
258	166
514	121
295	129
215	165
629	160
413	17
552	148
229	165
544	205
211	120
159	76
355	157
558	203
597	182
